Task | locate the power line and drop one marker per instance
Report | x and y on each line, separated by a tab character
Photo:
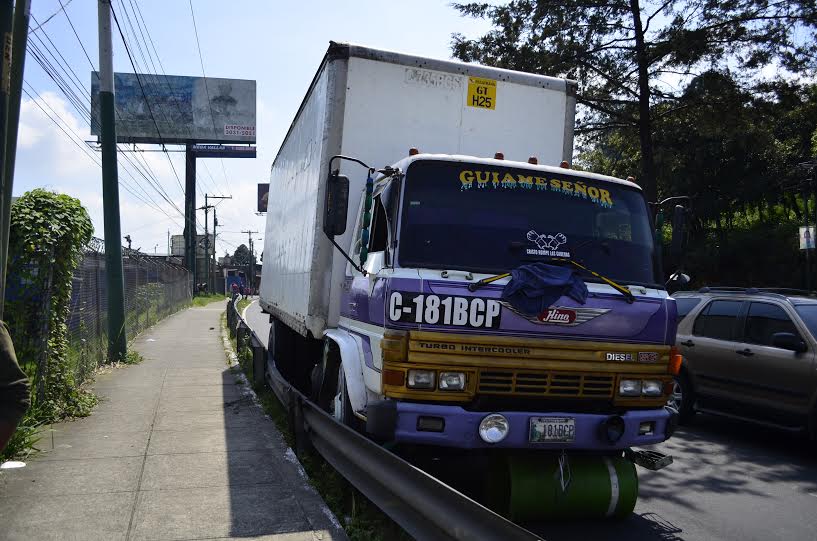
80	103
144	95
207	90
39	100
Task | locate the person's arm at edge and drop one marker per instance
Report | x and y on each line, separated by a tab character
14	396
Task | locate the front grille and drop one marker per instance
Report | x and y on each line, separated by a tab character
547	384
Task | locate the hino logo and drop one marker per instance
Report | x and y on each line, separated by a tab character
558	316
561	315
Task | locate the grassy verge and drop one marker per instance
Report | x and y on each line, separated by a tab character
361	519
241	304
204	300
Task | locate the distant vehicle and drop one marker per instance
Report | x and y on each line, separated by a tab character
749	354
385	265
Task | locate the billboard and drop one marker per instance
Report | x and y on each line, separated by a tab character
177	245
179	110
263	196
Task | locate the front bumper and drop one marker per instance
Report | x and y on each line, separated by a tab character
461	427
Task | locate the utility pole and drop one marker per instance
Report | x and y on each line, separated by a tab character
117	343
211	264
250	273
215	260
206	208
14	58
190	243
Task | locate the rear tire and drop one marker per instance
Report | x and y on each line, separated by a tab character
281	350
682	398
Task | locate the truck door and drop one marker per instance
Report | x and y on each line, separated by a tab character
771	377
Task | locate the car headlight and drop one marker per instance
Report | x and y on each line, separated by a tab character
420	379
652	388
629	387
452	381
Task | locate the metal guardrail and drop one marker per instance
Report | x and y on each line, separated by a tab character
421	504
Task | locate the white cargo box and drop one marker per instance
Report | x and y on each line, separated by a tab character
374	105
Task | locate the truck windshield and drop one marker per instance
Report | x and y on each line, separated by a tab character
492	219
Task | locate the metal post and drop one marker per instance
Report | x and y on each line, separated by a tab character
117	343
190	211
211	279
808	254
214	268
206	244
13	85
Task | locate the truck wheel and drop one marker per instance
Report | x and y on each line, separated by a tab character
280	347
341	407
682	398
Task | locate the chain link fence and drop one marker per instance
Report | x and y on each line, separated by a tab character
155	287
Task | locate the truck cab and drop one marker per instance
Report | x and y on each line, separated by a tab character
428	351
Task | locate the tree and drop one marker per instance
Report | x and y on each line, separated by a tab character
628	55
241	255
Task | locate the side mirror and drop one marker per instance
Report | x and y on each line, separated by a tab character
787	340
336	205
678	232
677	281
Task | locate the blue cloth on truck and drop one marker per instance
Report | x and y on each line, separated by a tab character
535	287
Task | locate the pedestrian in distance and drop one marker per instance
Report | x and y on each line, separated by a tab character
241	291
234	290
14	397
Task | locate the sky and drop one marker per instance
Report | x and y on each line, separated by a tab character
278	44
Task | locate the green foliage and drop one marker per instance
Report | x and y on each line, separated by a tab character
24	440
204	300
242	255
628	55
47	237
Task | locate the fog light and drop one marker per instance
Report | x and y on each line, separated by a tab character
494	428
452	381
651	388
421	379
629	387
430	424
646	428
612	428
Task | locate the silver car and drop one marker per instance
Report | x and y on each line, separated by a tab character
748	354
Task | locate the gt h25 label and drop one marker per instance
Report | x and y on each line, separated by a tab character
474	312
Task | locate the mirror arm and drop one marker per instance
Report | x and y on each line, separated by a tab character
357	267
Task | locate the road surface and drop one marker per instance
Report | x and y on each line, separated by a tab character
730	480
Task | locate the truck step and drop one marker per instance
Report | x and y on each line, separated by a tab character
651	460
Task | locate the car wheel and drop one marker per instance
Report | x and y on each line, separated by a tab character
682	398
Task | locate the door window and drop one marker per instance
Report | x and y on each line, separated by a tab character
685	306
718	320
764	320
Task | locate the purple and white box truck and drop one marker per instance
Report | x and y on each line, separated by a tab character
406	197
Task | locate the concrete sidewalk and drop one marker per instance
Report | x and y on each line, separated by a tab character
175	450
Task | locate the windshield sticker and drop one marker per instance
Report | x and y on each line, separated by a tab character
547	244
507	181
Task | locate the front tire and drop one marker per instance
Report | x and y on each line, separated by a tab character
341	406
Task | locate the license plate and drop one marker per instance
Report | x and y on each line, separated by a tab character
552	429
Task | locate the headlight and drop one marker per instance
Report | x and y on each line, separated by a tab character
494	428
452	381
652	388
629	387
421	379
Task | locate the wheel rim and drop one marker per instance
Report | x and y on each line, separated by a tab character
676	398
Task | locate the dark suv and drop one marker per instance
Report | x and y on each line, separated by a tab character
748	354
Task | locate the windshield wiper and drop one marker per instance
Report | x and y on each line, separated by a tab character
618	287
486	281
